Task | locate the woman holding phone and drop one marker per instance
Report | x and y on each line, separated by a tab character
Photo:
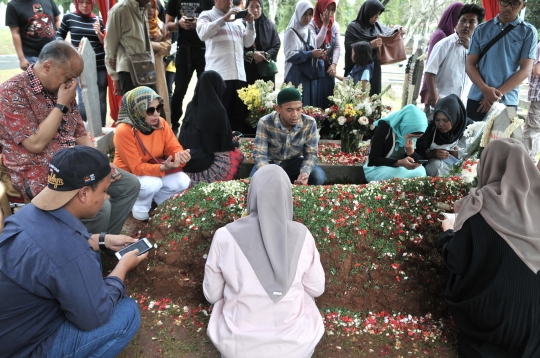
141	140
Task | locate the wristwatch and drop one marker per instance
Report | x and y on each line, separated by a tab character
101	241
61	107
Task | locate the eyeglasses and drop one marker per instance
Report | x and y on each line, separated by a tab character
514	5
150	110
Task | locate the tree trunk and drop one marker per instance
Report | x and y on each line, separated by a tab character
272	7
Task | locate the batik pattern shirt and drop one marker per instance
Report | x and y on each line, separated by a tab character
24	104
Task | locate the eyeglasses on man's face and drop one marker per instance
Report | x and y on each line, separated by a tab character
514	5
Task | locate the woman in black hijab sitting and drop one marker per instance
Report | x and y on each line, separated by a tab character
265	47
366	28
207	133
439	143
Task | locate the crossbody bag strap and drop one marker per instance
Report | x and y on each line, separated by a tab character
494	40
301	39
136	133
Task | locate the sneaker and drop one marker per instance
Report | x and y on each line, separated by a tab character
140	215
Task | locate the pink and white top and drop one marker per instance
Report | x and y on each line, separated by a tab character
245	322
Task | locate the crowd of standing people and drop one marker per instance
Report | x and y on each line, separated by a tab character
263	271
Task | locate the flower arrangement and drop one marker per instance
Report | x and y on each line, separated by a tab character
260	99
468	171
354	112
317	113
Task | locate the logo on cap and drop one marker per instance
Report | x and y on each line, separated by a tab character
53	180
89	178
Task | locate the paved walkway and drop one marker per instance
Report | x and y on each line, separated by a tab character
9	62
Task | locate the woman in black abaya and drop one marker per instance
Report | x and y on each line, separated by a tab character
366	28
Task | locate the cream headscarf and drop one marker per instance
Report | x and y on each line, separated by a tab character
268	237
291	43
508	198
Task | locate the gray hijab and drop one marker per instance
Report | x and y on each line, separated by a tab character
268	237
508	198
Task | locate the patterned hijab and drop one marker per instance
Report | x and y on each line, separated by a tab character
133	108
268	236
508	198
408	120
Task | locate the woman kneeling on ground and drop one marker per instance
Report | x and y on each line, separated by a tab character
439	144
207	133
391	154
262	273
141	139
492	257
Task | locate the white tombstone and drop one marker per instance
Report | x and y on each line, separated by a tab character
2	15
90	91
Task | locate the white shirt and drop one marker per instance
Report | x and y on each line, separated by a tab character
447	63
225	42
245	322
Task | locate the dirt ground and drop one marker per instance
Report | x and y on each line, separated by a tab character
171	332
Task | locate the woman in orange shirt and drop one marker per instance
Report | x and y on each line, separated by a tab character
142	137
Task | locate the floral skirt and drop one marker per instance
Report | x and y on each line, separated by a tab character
225	167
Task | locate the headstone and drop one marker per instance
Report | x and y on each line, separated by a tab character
2	15
419	70
503	123
90	92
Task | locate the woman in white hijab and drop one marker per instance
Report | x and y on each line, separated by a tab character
300	47
262	273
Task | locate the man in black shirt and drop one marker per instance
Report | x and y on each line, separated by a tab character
182	17
32	27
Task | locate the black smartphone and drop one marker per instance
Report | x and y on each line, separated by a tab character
422	161
189	19
241	14
143	245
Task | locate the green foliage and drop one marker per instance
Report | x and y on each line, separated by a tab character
532	13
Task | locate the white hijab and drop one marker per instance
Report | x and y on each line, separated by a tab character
291	43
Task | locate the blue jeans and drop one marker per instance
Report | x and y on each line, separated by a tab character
31	59
102	88
317	176
105	341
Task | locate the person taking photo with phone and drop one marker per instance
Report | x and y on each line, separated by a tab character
55	300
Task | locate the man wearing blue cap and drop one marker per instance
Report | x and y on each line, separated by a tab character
55	301
289	139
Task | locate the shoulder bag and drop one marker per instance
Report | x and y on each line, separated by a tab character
154	160
494	40
314	68
143	69
392	49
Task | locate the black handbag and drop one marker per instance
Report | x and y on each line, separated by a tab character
313	68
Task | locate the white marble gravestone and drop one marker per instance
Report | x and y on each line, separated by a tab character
90	92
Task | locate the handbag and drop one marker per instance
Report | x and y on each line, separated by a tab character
313	68
267	67
154	160
392	49
143	69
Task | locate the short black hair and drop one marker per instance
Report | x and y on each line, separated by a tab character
362	53
479	11
236	2
57	51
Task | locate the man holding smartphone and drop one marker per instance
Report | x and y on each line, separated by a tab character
182	17
55	301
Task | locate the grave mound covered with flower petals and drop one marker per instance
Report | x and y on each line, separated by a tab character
377	241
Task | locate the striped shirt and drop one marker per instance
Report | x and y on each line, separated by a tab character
225	42
80	27
274	142
534	81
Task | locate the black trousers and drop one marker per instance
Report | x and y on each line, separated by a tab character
126	84
188	59
472	110
234	105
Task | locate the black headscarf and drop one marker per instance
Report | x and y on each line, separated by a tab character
261	18
453	108
206	120
361	27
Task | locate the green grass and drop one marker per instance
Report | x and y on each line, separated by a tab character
6	43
